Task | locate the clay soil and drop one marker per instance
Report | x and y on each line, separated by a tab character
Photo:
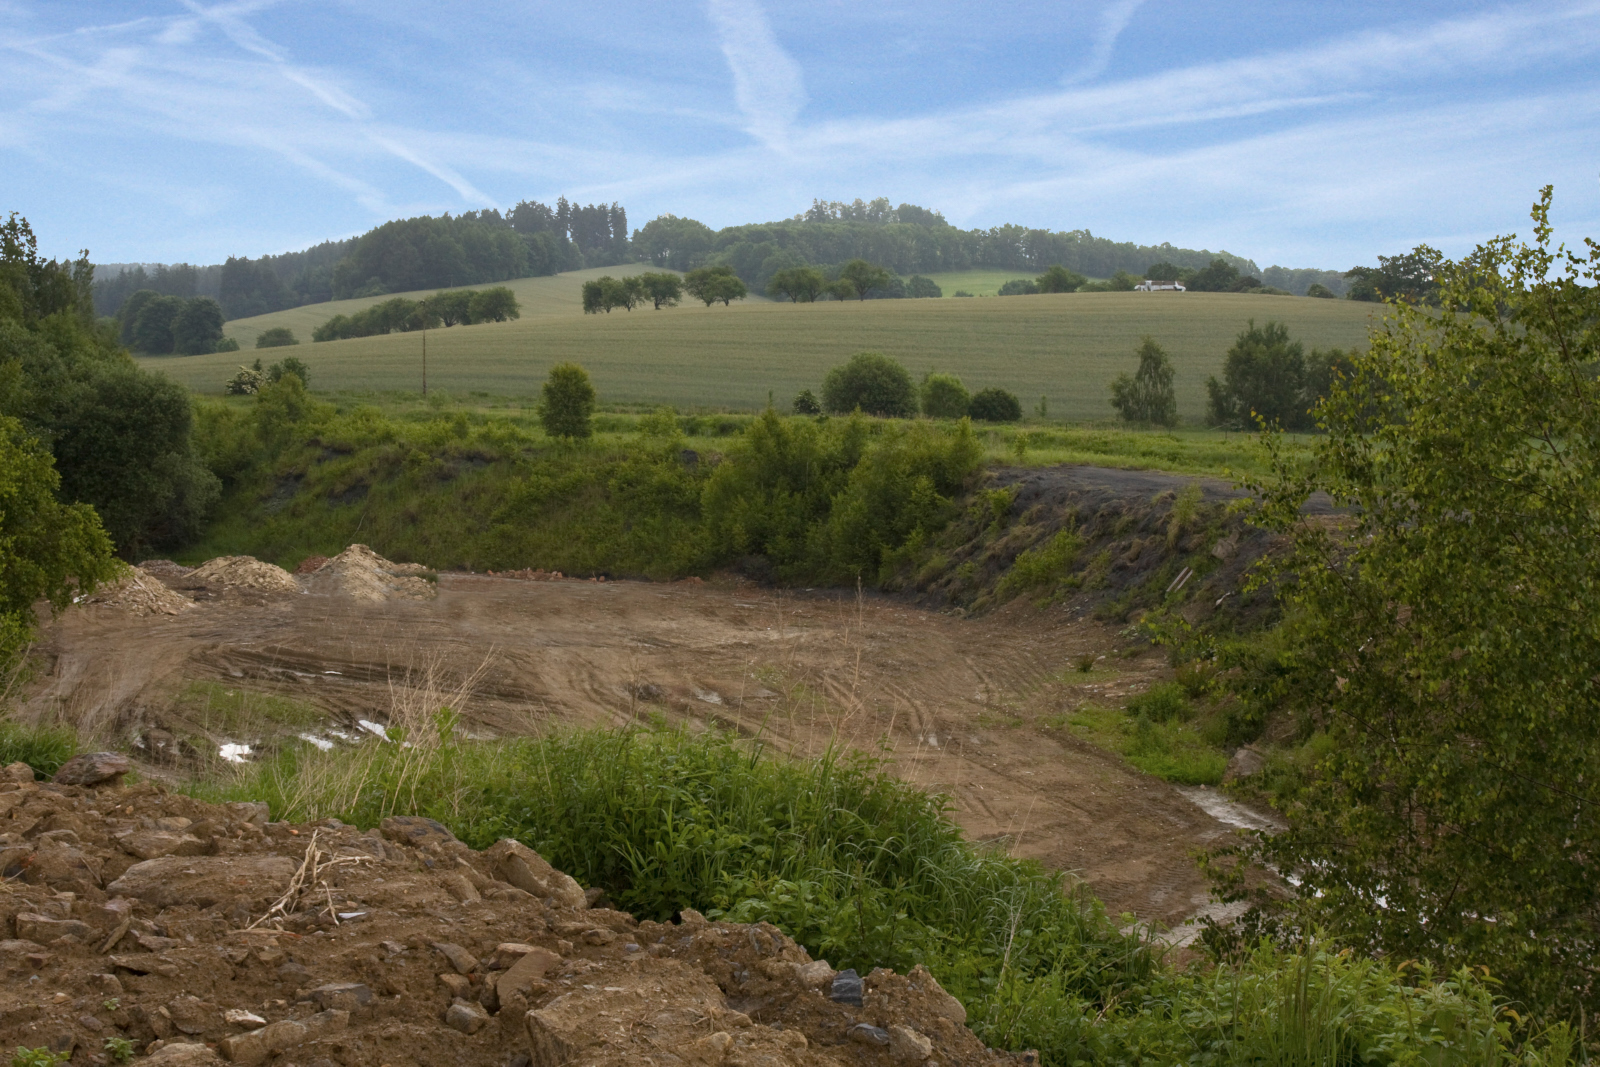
973	708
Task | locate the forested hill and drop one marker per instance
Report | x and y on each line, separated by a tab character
536	239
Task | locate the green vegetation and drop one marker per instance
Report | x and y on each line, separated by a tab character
451	307
44	749
1442	640
710	284
161	325
705	359
867	871
566	406
1175	750
871	382
944	397
995	405
276	337
38	1057
1147	397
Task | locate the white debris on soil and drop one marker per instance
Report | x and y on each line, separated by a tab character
361	573
378	730
321	742
138	593
1227	811
234	752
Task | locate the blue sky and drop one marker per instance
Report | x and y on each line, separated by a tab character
1299	134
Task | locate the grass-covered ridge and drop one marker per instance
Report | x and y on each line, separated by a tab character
867	871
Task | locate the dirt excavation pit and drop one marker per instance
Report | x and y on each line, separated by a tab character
196	935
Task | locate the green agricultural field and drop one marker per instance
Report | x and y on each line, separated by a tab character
553	294
1066	347
984	282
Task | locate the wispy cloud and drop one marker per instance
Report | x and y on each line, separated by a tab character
1113	20
767	84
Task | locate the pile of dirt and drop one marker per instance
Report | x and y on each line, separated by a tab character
165	569
196	934
362	574
242	573
311	564
139	593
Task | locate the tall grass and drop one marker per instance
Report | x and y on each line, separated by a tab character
865	871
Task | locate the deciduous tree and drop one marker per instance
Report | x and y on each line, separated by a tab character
863	277
872	382
566	403
1147	396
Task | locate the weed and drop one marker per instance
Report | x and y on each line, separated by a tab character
37	1057
120	1049
1084	662
1165	702
1185	510
44	748
1042	566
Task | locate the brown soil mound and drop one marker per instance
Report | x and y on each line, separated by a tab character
193	930
139	593
361	573
242	573
165	569
311	564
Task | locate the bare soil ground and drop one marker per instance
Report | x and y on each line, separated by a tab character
970	707
147	923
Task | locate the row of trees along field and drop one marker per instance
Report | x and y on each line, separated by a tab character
534	238
454	307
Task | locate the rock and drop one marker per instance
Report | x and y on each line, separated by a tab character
459	957
465	1016
153	844
63	868
416	831
599	935
182	1054
204	881
341	996
109	984
1244	763
508	952
595	897
711	1049
191	1014
93	769
91	1024
814	975
252	1048
524	868
174	823
552	1039
906	1046
43	929
532	966
242	1017
943	1004
292	973
257	812
867	1034
846	988
144	963
458	984
461	889
16	772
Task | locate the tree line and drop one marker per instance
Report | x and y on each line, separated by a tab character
456	307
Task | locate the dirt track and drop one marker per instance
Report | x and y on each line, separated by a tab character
962	706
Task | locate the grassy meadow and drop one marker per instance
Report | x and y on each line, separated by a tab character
984	281
1065	347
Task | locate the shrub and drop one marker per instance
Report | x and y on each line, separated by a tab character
995	405
1161	703
566	404
277	337
1045	565
805	403
961	292
1147	397
1263	377
290	365
919	287
1019	287
1059	279
944	397
872	383
1321	292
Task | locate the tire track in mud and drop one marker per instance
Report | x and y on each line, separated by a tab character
952	705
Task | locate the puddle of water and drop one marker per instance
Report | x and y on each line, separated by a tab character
1226	811
234	753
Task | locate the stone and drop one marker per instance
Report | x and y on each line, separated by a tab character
465	1016
242	1017
846	988
522	867
711	1049
908	1047
257	1045
944	1005
508	952
204	881
599	935
91	1024
144	963
867	1034
416	831
814	975
461	889
459	957
256	812
458	984
62	868
153	844
16	772
552	1041
43	929
529	968
341	996
1244	763
182	1054
173	822
94	769
109	984
190	1014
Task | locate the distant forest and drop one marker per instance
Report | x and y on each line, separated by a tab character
533	239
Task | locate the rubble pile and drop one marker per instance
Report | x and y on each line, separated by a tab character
361	573
139	922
